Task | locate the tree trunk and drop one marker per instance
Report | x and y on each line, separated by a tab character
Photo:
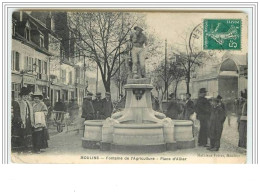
175	90
188	81
188	86
107	85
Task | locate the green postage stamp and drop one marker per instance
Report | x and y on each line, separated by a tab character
222	34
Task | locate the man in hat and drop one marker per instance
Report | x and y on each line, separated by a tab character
24	133
87	107
98	106
242	128
220	102
188	107
16	138
216	124
138	42
203	109
73	109
174	109
107	105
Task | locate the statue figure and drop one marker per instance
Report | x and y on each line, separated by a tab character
138	43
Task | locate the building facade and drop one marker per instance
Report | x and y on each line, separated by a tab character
46	57
30	56
227	78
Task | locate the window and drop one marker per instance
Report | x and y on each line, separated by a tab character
16	87
39	69
25	62
28	63
62	53
70	77
15	61
27	34
41	41
40	66
13	28
45	68
63	76
34	67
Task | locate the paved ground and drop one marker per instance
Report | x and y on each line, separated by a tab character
66	147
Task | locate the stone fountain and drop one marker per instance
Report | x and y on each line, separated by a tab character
138	127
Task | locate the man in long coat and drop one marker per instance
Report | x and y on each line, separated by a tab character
22	132
98	106
203	108
174	109
217	119
17	138
107	105
188	107
242	129
87	108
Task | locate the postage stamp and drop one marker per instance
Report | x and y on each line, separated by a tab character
222	34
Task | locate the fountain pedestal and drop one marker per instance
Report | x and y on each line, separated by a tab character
138	127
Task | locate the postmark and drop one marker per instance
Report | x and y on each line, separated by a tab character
222	34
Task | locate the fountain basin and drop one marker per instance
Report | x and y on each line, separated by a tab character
183	134
138	137
92	134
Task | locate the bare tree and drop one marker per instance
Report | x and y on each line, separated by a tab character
193	55
120	78
178	74
163	79
103	37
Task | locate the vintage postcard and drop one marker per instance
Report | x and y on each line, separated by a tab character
128	86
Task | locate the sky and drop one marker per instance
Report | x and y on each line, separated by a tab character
173	26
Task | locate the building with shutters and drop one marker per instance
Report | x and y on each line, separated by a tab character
45	57
70	82
30	57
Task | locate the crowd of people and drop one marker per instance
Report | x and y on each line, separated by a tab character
98	108
211	113
29	129
31	113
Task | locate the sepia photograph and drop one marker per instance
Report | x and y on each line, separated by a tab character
130	86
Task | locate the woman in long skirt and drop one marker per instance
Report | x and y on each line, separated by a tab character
40	111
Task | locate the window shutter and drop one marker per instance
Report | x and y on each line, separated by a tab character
17	61
30	63
13	60
25	63
45	68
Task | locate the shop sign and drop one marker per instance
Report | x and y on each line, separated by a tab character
29	80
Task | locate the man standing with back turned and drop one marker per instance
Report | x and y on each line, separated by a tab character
203	108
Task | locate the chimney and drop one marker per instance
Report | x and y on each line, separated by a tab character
21	16
50	22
